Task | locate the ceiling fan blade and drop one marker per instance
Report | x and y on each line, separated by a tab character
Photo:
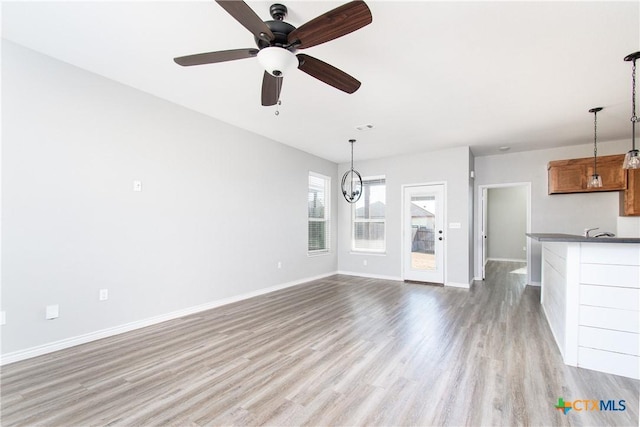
213	57
327	73
247	17
331	25
271	87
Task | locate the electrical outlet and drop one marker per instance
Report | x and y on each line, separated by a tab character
137	185
52	312
279	264
364	262
104	294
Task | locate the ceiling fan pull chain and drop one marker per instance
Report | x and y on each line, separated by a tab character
278	107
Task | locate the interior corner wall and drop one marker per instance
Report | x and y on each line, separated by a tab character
557	213
450	166
219	206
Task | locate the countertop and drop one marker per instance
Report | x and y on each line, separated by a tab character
559	237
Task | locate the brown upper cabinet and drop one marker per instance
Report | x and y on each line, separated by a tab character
630	198
571	176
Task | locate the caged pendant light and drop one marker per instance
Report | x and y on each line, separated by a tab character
632	159
351	182
595	180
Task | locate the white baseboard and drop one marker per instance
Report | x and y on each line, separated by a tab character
370	276
108	332
398	279
534	284
458	285
507	259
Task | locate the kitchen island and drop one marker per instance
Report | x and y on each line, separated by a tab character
591	298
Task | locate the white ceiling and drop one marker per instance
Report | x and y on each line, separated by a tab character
434	74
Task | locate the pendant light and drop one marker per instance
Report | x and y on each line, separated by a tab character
632	159
351	182
595	180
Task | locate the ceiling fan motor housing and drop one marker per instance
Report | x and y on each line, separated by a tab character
280	30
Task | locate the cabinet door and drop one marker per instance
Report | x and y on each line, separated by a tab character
567	179
614	177
572	175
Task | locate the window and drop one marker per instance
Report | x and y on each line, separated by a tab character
319	212
369	215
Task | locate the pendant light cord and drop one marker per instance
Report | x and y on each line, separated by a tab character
351	180
634	118
595	139
351	155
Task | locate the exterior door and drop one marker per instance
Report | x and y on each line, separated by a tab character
423	237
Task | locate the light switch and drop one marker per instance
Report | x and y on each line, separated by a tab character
3	318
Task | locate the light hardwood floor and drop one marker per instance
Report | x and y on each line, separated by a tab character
338	351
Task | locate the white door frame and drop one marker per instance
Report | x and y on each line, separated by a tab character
403	254
483	230
481	191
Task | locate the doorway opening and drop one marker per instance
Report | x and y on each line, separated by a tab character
504	219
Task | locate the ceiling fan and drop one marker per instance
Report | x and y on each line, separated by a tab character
278	40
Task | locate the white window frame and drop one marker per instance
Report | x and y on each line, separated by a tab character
327	214
383	250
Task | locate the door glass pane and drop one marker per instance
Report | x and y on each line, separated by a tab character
423	233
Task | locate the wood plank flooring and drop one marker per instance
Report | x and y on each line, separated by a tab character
337	351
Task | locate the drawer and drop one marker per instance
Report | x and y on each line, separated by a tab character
611	297
610	318
610	253
627	276
607	361
606	339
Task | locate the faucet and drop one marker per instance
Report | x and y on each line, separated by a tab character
587	230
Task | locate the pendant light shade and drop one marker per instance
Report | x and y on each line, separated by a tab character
351	182
595	180
632	159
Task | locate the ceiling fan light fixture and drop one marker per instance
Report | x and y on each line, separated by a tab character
277	61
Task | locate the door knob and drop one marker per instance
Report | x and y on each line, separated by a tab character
440	238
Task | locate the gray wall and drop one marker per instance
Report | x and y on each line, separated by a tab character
558	213
219	208
451	166
507	223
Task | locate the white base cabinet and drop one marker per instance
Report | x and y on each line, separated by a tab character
591	299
